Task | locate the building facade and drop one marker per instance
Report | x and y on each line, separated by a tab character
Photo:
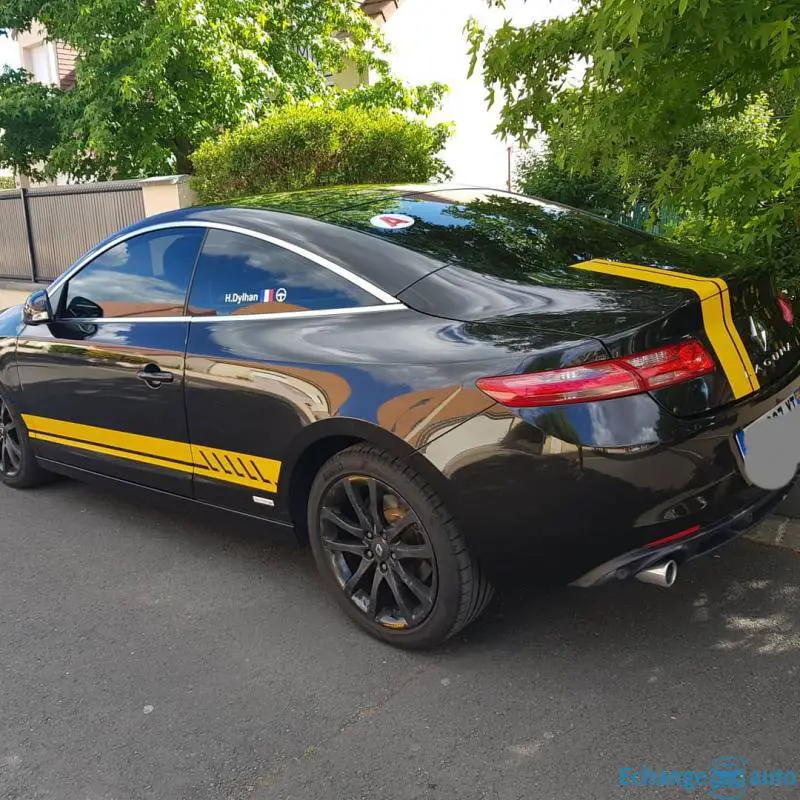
50	63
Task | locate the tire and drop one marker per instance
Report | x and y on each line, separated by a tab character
374	522
19	468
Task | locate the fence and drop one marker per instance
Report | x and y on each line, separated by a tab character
45	229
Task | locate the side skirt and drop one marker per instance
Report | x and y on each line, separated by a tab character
281	528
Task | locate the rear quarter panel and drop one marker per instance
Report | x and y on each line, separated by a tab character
272	388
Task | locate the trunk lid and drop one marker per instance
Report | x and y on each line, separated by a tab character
515	261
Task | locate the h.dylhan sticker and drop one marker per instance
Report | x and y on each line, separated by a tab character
392	222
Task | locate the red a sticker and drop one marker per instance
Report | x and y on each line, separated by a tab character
392	222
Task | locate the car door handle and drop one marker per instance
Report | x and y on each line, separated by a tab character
154	377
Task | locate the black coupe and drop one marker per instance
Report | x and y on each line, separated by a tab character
436	387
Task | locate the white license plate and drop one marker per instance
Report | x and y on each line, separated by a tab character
791	405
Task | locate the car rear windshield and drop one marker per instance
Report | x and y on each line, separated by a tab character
509	236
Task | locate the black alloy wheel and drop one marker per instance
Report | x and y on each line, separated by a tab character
18	465
11	448
379	551
389	550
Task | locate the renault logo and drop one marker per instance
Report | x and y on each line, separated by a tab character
759	333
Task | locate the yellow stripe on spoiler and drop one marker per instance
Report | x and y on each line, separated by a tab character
715	304
243	469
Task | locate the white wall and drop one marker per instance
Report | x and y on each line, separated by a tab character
428	44
9	51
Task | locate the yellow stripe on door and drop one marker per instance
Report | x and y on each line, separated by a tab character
228	466
715	305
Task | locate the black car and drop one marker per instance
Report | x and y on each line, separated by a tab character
439	388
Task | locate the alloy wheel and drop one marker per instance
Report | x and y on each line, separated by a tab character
379	551
10	444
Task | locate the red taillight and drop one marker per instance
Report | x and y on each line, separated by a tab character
786	308
601	380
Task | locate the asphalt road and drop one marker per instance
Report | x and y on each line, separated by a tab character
155	653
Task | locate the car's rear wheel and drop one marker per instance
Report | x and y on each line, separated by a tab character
390	552
18	465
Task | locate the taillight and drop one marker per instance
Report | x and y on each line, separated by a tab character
786	308
601	380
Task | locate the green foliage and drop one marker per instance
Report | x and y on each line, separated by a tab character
156	78
30	117
694	104
602	192
7	182
392	94
311	146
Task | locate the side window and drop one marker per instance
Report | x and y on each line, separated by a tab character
145	276
239	274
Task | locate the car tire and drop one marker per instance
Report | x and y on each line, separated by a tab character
402	540
19	468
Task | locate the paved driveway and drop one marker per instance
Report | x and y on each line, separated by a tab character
151	653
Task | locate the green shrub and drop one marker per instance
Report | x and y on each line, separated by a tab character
539	174
7	182
302	147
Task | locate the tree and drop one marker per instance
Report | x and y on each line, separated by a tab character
30	117
694	102
539	173
156	78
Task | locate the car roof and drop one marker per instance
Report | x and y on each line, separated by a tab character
334	223
394	236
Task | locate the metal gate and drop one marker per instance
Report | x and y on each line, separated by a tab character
45	229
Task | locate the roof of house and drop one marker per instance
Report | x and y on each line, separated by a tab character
380	10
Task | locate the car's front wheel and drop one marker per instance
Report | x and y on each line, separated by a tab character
18	466
390	552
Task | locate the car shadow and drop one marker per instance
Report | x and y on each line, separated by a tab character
744	599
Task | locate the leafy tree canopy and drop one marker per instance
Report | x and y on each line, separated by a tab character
694	104
156	78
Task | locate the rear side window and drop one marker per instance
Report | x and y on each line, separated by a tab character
239	275
145	276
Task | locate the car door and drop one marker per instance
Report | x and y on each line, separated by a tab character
102	385
252	383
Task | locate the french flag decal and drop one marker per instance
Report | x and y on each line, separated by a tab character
273	295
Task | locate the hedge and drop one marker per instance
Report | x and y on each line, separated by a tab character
302	147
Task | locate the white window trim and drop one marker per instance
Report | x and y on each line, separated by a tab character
388	302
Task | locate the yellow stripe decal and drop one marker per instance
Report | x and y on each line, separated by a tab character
242	469
715	305
246	470
96	448
149	445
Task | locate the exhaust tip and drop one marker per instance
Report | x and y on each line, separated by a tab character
663	574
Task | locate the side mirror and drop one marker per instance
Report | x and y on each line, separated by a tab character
37	310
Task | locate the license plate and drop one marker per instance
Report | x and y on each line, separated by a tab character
791	405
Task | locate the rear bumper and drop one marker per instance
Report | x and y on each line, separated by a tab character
538	507
698	544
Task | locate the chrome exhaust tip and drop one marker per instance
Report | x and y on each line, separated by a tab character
663	574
